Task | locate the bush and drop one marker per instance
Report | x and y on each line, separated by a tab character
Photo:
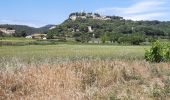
158	53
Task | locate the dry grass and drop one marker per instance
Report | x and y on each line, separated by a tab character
87	80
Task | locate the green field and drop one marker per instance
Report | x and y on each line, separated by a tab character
64	52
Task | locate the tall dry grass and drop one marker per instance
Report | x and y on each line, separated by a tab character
87	80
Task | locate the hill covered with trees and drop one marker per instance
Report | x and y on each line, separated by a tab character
85	27
23	30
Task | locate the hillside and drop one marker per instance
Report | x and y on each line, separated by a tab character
85	26
27	29
45	28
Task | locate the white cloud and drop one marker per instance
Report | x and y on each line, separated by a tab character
145	10
22	22
142	7
149	16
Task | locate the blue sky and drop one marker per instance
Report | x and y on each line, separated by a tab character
37	13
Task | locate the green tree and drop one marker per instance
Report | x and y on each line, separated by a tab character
136	38
23	33
82	37
113	37
124	29
2	34
104	38
84	28
50	35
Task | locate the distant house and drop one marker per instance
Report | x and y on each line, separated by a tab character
90	29
7	31
74	17
29	37
37	36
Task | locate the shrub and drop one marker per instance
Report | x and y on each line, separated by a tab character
158	53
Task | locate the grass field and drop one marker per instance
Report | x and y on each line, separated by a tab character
81	72
64	52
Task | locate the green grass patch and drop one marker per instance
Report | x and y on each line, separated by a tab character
72	51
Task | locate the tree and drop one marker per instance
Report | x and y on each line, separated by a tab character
113	37
149	31
98	33
82	37
124	29
2	34
58	32
84	28
85	38
77	36
50	35
134	39
23	33
104	38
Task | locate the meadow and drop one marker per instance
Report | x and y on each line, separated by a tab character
66	50
81	72
42	54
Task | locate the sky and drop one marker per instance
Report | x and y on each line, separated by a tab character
37	13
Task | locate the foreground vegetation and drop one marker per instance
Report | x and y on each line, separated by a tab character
88	80
159	52
81	72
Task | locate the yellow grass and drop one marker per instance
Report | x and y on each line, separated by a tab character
87	80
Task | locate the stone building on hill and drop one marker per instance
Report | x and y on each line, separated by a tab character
85	15
7	31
